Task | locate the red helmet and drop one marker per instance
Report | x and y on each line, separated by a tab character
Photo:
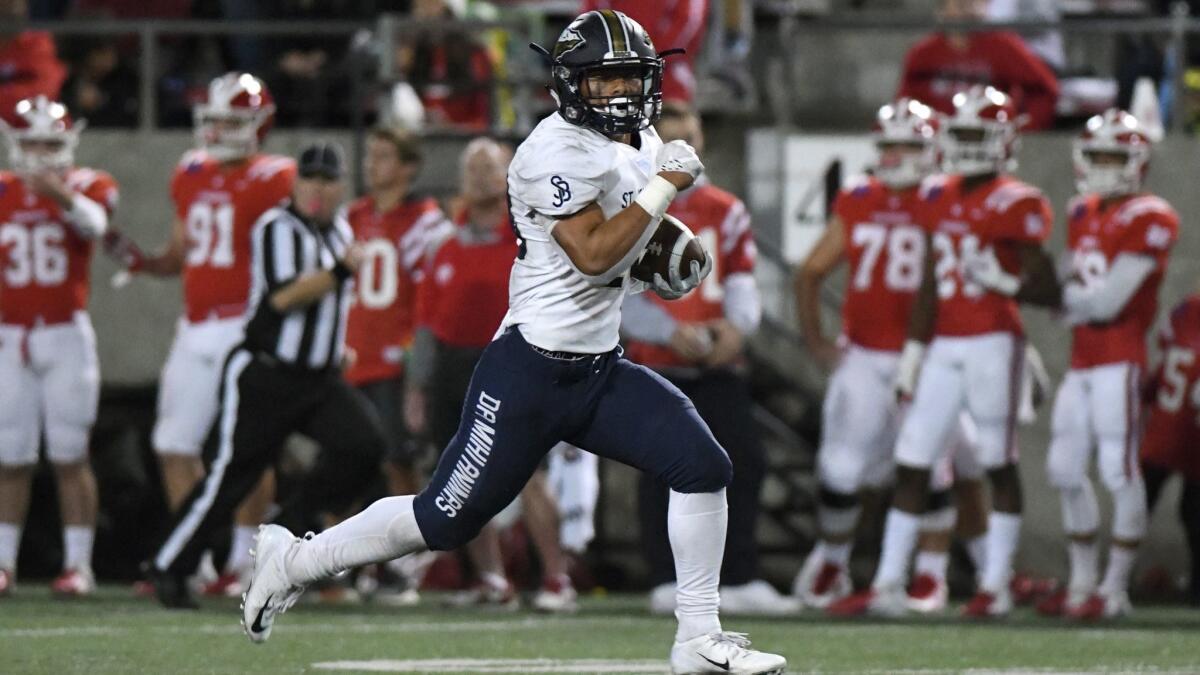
981	136
1112	154
42	135
235	117
905	122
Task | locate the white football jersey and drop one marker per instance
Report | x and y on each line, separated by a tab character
560	169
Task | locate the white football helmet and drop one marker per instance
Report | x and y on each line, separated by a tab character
981	136
235	118
905	122
1114	133
42	136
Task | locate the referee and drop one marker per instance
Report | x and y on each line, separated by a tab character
285	376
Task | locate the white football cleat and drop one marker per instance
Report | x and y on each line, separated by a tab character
662	599
269	591
927	594
723	653
820	582
74	583
556	596
757	598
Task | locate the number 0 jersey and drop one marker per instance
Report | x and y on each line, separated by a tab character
558	171
885	247
395	244
1001	214
218	206
1097	233
44	263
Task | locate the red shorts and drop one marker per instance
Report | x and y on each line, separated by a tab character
1172	442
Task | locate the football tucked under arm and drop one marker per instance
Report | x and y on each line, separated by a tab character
673	261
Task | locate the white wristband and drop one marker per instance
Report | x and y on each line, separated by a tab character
656	196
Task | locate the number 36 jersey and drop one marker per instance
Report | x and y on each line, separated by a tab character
44	262
218	207
1000	215
885	246
558	171
394	244
1099	232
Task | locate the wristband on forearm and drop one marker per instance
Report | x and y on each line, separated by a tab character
341	271
656	196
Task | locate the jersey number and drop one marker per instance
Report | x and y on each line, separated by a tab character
35	254
711	289
905	251
1090	267
1174	388
379	277
949	262
210	234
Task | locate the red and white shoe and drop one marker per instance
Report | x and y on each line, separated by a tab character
8	581
1099	606
927	594
227	585
492	591
820	582
556	596
874	602
1027	590
987	605
74	583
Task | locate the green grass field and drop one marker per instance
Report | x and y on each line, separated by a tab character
116	633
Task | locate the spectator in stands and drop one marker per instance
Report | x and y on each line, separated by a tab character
449	69
945	63
101	88
696	342
671	24
29	66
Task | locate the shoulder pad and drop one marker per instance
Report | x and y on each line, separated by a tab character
1078	206
192	160
1143	206
1009	194
266	167
858	185
933	187
552	149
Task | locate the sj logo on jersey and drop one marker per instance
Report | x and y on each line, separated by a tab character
562	193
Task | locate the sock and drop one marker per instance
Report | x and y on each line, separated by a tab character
933	563
838	554
899	539
1120	566
1084	564
10	540
1003	531
239	551
696	526
977	550
385	530
77	544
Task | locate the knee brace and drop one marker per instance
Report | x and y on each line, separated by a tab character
1081	513
940	513
837	513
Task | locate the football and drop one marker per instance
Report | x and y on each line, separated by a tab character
673	244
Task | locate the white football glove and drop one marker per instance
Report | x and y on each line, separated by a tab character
984	269
679	156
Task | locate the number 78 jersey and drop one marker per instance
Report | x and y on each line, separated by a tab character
218	207
885	246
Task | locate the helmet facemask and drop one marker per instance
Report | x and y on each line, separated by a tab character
621	113
227	134
904	164
30	152
978	147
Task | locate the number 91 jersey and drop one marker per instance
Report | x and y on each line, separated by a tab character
44	263
1000	215
218	207
885	246
1098	232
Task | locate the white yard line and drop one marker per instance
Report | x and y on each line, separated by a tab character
497	666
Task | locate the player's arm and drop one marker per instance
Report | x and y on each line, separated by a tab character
88	218
286	290
168	262
602	249
920	326
1104	300
1039	283
824	258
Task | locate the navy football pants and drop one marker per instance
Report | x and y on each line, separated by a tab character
521	403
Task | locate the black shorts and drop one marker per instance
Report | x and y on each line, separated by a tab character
448	391
387	397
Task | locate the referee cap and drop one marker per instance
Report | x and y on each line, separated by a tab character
323	159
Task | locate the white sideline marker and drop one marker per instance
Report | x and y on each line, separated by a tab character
497	666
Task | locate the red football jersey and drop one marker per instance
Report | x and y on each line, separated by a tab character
46	264
464	294
722	224
1173	427
1097	233
885	246
395	246
935	70
219	206
1001	214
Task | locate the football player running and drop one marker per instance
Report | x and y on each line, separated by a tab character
965	346
1119	238
51	213
588	189
875	229
219	190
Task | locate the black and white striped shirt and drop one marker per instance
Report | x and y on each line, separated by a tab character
286	246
